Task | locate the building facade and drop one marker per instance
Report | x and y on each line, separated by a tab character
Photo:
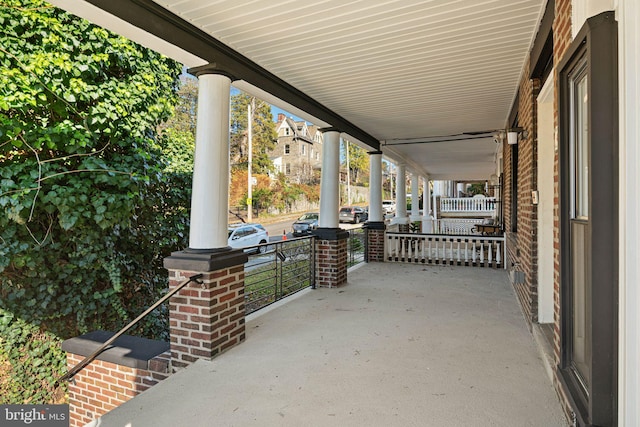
298	153
566	209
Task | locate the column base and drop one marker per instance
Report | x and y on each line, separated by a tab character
210	260
207	317
331	257
375	241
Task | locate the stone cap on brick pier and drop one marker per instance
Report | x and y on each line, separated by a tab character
127	350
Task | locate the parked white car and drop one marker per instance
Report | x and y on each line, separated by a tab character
389	206
245	235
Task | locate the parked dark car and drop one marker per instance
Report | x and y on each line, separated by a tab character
306	223
353	214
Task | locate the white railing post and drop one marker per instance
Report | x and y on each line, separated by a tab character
479	251
467	204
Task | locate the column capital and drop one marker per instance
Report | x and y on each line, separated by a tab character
211	68
205	261
330	129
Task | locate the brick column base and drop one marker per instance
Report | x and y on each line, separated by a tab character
206	318
331	257
129	367
375	241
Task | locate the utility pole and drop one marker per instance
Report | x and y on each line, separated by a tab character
250	161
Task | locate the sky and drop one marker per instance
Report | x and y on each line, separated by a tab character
274	110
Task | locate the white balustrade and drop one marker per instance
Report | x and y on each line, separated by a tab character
468	204
477	251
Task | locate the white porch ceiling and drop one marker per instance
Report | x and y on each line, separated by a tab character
397	69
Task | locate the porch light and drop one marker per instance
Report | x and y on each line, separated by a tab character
516	134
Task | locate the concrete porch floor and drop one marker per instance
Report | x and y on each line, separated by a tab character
399	345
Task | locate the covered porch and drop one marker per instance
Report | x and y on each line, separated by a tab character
440	89
443	346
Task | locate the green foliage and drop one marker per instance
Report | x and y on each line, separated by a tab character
264	134
476	188
285	193
30	363
358	163
88	210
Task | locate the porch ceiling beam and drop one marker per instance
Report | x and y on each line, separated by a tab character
156	20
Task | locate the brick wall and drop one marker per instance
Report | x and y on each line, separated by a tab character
102	386
206	318
331	263
375	245
522	247
561	40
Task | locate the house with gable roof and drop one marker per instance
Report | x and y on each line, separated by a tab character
298	152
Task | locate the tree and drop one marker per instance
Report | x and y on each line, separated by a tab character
264	134
88	211
358	163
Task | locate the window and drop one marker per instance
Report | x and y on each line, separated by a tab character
587	166
302	149
580	147
287	131
287	149
287	169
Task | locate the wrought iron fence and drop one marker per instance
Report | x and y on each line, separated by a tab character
356	246
285	268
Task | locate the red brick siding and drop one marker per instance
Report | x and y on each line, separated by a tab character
206	319
331	263
375	245
103	386
561	40
522	246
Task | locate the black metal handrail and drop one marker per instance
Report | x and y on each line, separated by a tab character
84	362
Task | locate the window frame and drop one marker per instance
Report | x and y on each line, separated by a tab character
595	43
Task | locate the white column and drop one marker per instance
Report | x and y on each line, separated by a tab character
375	187
427	224
401	196
436	192
330	181
415	198
210	197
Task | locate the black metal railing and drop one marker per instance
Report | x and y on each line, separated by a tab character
356	246
84	362
277	270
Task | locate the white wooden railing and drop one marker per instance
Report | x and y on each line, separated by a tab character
476	251
458	226
467	204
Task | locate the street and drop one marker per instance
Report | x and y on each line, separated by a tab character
277	229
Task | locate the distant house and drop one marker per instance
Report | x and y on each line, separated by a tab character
298	152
